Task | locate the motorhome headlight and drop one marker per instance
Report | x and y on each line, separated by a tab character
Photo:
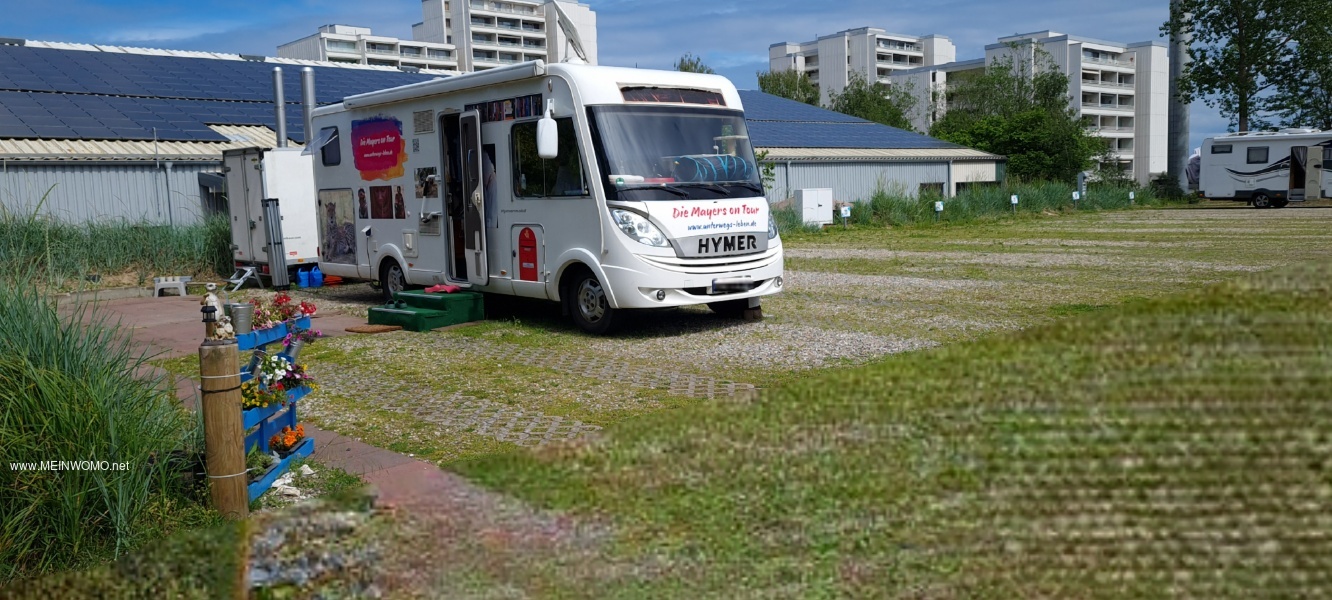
772	227
639	228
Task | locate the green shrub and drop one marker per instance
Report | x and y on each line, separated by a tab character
71	390
894	207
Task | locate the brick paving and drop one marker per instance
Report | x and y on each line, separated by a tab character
675	382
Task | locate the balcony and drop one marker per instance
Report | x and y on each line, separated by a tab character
505	7
1107	84
893	45
373	48
410	51
341	46
1114	62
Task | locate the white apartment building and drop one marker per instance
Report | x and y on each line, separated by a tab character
1121	89
459	35
873	53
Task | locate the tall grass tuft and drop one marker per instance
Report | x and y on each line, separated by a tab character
71	389
60	251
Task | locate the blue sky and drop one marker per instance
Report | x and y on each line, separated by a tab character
732	37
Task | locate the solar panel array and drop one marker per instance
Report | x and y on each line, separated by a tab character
776	122
77	94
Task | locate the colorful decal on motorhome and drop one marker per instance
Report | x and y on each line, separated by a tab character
508	109
337	227
378	148
1276	167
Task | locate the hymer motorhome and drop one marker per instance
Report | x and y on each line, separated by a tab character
606	189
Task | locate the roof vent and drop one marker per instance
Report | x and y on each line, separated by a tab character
4	41
253	57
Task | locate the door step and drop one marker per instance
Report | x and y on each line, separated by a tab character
419	311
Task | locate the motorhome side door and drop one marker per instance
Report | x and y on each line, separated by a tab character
1299	156
1313	174
474	210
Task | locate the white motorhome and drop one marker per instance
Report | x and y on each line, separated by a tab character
1267	168
602	188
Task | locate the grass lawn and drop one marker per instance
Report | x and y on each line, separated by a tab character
1170	446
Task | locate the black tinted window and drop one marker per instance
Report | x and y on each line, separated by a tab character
1258	156
1221	149
331	151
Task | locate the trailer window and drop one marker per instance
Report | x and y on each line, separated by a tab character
535	177
330	153
1327	157
1258	155
1222	149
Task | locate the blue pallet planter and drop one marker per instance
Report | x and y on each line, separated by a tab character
270	420
257	488
263	337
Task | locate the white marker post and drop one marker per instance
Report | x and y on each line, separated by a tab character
1131	194
1013	200
846	214
1076	196
938	209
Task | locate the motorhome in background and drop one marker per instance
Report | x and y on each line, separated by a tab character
1267	169
602	188
256	174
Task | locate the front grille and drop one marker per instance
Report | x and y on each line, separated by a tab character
725	264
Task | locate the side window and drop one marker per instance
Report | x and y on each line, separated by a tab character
1327	157
331	150
1258	155
1221	149
534	177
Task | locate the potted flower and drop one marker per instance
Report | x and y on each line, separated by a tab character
297	377
297	339
287	440
254	395
258	464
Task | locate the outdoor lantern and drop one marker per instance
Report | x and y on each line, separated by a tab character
209	314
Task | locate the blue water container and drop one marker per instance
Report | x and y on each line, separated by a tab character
302	278
316	277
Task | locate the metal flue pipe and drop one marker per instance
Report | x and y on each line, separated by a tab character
1177	119
280	107
308	102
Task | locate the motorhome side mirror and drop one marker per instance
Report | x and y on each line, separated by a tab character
548	138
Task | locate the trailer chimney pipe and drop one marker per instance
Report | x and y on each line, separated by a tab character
308	99
280	107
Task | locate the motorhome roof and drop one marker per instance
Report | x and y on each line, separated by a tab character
595	84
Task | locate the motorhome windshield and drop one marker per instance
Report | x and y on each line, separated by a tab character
674	153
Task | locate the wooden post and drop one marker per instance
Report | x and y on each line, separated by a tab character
224	436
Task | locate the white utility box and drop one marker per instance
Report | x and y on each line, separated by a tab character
815	206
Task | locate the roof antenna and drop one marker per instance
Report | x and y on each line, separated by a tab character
571	33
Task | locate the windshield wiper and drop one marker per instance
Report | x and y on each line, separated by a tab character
756	188
633	188
705	185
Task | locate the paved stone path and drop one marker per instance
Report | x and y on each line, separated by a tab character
674	382
492	419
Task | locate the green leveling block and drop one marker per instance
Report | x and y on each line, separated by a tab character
419	311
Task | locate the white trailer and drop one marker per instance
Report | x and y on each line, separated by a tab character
1268	168
603	188
254	174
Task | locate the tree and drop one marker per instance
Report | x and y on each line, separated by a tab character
692	64
1244	52
789	84
1020	109
1307	101
887	105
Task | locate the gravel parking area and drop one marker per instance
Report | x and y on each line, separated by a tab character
852	296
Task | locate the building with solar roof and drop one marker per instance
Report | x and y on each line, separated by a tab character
98	132
105	132
811	147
